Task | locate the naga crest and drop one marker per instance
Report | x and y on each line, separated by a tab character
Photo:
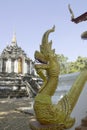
45	48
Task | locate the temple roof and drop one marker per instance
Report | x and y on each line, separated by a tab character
13	51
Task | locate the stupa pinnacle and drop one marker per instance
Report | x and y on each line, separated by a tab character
14	40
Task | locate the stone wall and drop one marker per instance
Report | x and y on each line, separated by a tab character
80	110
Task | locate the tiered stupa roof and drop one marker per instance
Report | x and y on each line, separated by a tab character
13	51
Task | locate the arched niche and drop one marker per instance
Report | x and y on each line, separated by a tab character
20	65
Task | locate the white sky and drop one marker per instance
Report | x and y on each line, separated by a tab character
31	18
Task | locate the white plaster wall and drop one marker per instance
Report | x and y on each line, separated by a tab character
25	67
8	66
80	110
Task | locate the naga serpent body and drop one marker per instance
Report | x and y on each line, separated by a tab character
46	112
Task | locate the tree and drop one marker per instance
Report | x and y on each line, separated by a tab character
63	63
71	67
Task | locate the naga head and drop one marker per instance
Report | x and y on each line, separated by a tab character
46	52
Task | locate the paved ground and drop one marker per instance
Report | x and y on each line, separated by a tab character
12	119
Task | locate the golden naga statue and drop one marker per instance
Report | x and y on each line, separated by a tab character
46	112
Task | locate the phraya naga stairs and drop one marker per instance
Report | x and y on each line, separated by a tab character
46	112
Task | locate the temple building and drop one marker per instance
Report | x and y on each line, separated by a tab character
14	59
17	74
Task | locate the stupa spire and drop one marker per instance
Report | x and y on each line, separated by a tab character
14	41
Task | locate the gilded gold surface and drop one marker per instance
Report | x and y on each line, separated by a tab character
19	65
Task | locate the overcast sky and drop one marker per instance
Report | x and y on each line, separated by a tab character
31	18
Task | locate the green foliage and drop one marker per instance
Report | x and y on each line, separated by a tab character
63	63
71	67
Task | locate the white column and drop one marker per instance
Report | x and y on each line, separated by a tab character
25	67
16	66
8	66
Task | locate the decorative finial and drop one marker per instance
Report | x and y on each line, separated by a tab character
71	12
14	41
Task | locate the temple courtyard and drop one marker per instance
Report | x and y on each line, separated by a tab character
15	114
